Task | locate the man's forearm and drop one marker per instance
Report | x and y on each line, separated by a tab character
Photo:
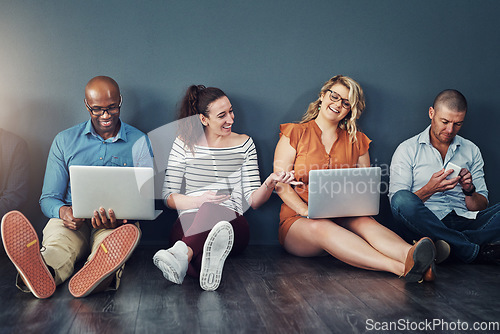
51	206
476	202
423	194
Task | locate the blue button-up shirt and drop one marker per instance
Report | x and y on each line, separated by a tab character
415	160
81	145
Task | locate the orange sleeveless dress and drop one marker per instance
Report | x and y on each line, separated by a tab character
305	138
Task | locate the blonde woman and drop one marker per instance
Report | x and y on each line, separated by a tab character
328	137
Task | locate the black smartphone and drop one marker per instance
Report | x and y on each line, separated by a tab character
224	192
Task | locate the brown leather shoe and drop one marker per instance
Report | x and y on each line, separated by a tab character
430	274
443	250
419	259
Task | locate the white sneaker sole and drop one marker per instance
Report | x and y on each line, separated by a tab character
215	251
168	270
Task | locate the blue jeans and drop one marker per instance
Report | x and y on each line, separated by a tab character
465	236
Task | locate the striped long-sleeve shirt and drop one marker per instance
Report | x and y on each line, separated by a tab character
209	168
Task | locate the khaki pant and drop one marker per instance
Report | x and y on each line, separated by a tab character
63	247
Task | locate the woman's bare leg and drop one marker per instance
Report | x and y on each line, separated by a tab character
310	237
378	236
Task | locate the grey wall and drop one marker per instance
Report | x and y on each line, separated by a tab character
270	57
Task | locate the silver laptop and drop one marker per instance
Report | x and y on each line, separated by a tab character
129	191
344	192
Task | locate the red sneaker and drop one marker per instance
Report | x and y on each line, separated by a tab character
23	248
113	252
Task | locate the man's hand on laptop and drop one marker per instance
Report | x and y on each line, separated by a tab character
101	220
69	221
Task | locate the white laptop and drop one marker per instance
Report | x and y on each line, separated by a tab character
344	192
129	191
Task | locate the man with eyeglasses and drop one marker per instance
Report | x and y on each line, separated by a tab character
429	201
104	140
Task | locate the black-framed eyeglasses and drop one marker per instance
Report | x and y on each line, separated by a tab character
99	111
336	98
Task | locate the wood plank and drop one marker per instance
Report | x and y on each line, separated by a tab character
263	290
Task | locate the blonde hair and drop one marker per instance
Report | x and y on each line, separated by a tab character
356	99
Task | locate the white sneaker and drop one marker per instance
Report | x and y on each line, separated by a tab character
215	251
173	262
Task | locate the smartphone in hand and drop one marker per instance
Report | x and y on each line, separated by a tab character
226	192
456	170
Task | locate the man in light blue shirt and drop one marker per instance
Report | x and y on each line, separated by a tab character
429	202
103	140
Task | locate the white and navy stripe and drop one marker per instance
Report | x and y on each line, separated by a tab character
211	168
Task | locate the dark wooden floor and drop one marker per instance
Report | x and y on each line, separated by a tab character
263	290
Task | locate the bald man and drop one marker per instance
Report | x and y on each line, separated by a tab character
103	140
429	201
